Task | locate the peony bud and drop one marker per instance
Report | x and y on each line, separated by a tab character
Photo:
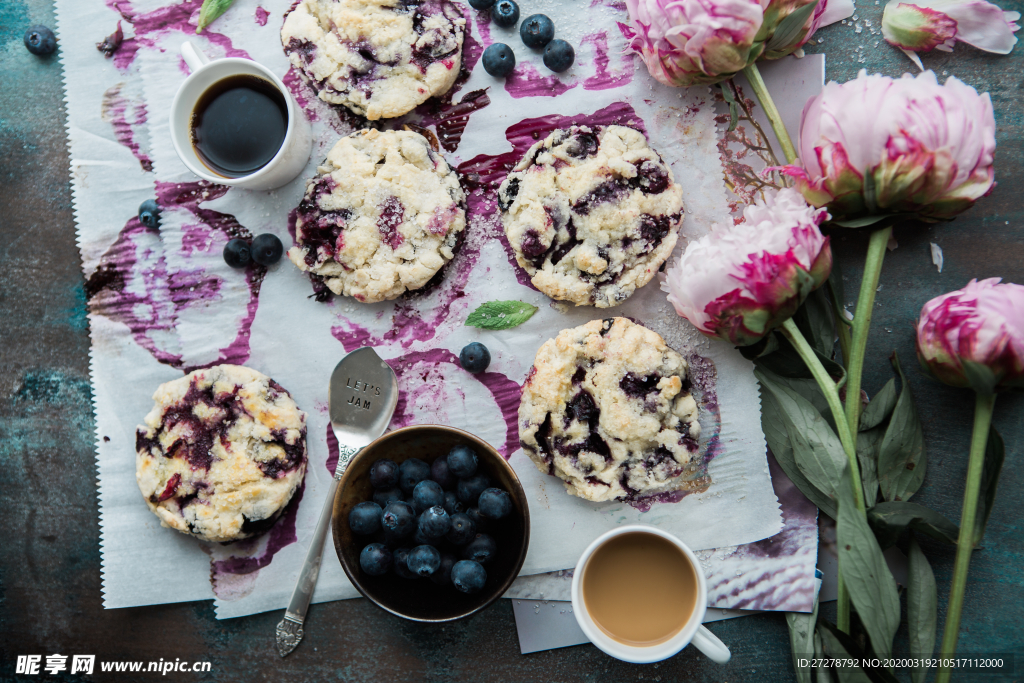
739	282
974	337
924	25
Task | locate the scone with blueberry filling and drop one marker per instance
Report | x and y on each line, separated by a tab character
607	409
221	453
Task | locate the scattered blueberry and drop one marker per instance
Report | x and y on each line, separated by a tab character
463	529
481	522
475	357
420	538
451	503
481	549
468	576
469	489
494	503
424	560
505	13
412	472
149	214
462	461
399	518
40	40
401	563
481	4
440	473
426	495
559	55
384	496
434	523
499	60
384	474
537	30
375	559
236	253
364	519
267	249
443	575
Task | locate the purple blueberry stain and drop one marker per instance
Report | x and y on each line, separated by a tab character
391	215
115	109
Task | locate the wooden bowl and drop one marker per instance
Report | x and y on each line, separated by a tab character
421	599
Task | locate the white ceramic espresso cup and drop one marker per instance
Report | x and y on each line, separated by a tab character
298	141
692	632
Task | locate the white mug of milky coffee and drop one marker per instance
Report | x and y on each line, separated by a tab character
640	596
222	137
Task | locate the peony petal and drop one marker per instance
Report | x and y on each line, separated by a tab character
979	23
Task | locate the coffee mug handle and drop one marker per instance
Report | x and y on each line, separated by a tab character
193	56
713	648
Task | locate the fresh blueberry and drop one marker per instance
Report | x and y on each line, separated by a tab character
440	473
384	474
443	575
399	518
412	472
266	249
384	496
468	576
375	559
481	549
237	253
462	530
451	503
482	523
401	563
40	40
424	560
364	519
434	523
420	538
499	60
559	55
462	461
475	357
149	214
537	30
494	503
481	4
426	495
470	488
505	13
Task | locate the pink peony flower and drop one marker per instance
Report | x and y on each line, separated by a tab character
923	25
876	146
694	42
741	281
974	337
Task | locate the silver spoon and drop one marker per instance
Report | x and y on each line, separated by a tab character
362	399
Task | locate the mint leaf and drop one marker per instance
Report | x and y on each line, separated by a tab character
210	10
500	315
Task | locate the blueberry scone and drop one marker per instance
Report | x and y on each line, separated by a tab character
221	453
592	213
607	409
385	213
379	58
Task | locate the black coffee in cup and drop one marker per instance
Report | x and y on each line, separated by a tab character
239	124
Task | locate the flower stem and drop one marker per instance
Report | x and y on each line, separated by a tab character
764	97
965	543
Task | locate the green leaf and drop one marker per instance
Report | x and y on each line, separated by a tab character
734	108
868	579
500	315
880	407
995	452
788	30
835	291
867	458
901	456
889	520
839	645
814	318
822	673
780	357
922	607
817	451
801	639
210	10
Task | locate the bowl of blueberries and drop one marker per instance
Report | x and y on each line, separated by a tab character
431	523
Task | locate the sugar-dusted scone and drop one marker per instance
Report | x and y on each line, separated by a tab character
382	217
379	58
591	213
607	409
221	453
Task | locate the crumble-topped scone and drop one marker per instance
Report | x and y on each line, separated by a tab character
592	213
221	453
607	409
379	58
385	213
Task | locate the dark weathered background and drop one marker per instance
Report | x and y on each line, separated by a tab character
49	554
